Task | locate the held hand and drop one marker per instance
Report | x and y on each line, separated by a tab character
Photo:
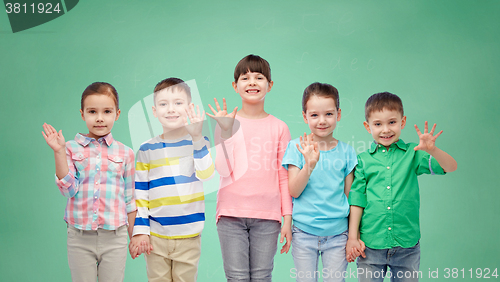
427	140
140	244
353	249
196	119
309	150
53	138
223	118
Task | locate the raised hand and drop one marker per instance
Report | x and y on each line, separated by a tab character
309	150
196	119
427	139
53	138
223	118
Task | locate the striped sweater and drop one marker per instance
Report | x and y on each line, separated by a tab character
168	188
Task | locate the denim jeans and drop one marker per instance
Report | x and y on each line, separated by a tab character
403	264
248	247
306	249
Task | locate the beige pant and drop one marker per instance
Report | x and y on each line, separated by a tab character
173	259
97	253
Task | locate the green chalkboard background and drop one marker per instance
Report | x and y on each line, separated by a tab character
440	57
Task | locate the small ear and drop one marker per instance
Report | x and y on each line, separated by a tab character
81	112
367	126
339	114
118	114
270	85
154	111
305	117
235	86
403	122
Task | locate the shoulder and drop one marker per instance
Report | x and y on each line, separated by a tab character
278	122
149	145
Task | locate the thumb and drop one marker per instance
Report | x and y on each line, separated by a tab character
281	237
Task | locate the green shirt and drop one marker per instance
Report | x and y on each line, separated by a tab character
386	186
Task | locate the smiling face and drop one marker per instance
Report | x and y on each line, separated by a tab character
170	107
99	113
252	87
385	126
322	116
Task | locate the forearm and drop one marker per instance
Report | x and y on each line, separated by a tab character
297	183
354	219
287	220
131	220
446	161
61	163
348	183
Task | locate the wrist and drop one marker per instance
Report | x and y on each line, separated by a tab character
196	137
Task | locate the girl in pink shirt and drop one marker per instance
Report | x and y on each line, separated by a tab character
253	195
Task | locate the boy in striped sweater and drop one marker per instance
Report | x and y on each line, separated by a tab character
169	191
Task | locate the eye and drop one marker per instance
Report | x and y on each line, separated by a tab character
163	104
243	78
178	103
92	112
314	115
377	124
329	114
107	111
392	122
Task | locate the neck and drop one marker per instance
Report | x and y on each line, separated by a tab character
253	111
325	143
171	134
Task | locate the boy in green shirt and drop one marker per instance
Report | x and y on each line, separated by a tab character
384	196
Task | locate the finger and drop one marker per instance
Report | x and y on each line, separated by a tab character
60	134
213	110
217	104
426	128
282	238
363	254
417	148
202	115
316	147
198	111
298	148
418	130
52	129
44	136
224	106
212	116
437	135
233	114
433	128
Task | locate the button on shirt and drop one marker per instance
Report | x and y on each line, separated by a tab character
386	186
99	184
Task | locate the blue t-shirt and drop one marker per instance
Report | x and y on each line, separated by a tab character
322	208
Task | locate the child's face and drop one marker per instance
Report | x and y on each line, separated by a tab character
321	115
252	87
170	107
385	126
99	113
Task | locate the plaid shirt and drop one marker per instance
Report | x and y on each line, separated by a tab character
99	184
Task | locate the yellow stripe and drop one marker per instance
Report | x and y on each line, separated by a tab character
142	203
204	174
157	163
176	200
174	237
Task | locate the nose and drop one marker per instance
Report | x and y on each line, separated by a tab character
99	117
386	128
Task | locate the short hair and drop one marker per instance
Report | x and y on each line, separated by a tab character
321	90
252	63
102	88
381	101
175	83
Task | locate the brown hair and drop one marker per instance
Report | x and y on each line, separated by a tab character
102	88
252	63
381	101
177	84
321	90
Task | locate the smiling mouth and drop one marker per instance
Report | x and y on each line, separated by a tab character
172	118
386	137
253	91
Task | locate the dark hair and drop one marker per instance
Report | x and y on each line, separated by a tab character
252	63
321	90
102	88
381	101
177	83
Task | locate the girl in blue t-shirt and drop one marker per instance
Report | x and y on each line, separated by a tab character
320	173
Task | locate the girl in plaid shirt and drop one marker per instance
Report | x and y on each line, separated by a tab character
96	174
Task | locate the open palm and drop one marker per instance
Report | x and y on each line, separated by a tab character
53	138
223	118
427	139
196	119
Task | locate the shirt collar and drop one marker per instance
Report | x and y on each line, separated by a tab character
400	144
85	140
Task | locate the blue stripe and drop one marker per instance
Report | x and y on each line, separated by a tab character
161	145
199	154
176	220
171	180
141	221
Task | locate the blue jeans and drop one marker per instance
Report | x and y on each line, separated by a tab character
403	264
248	247
306	249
